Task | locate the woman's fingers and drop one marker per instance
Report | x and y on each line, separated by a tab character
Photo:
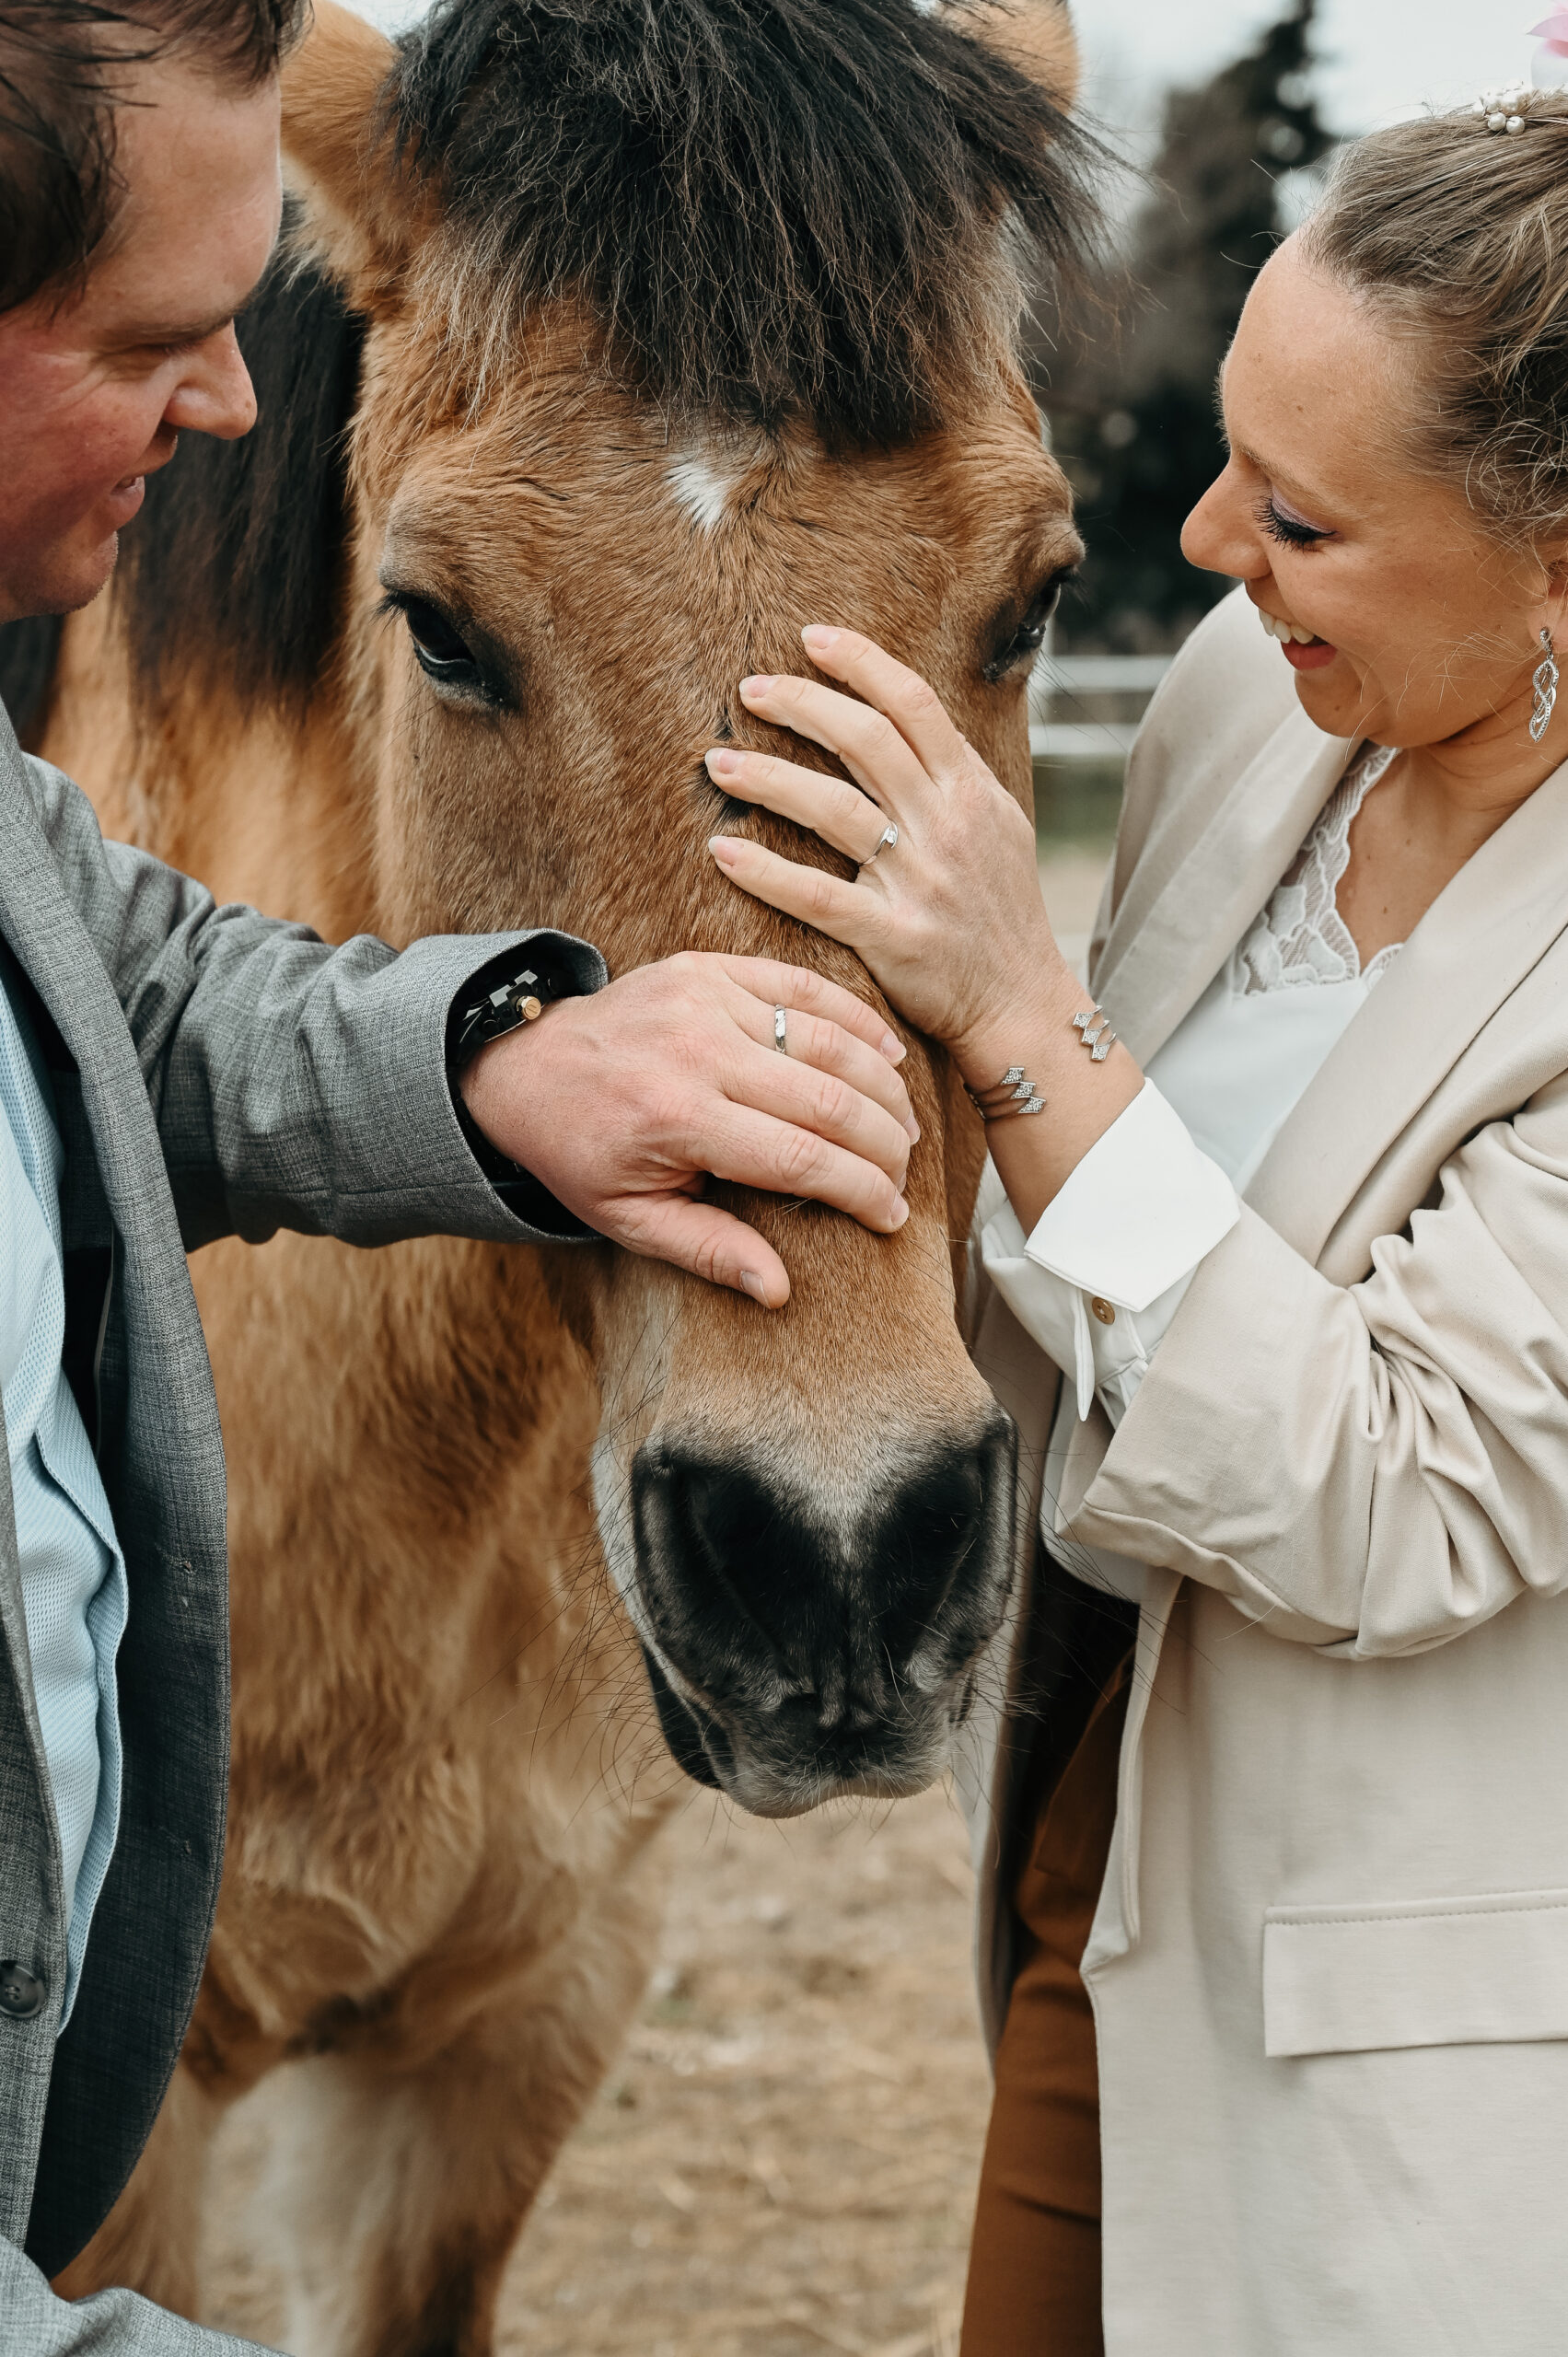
837	811
910	702
827	902
871	748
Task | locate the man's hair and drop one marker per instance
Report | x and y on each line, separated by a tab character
61	68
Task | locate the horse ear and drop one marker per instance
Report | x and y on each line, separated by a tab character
1037	36
332	87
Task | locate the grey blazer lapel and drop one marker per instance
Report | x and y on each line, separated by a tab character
1154	968
53	949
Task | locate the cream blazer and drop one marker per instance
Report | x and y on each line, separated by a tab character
1329	1964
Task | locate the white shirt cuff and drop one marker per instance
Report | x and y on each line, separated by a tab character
1141	1210
1108	1267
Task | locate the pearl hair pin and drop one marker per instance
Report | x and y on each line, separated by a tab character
1504	109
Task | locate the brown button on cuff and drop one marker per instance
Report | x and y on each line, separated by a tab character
1103	1311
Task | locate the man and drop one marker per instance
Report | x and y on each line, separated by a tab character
171	1072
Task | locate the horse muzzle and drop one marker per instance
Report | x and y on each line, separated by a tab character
803	1645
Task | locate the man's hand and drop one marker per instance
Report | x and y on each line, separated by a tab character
624	1102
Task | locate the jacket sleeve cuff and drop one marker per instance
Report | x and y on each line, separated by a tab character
1142	1209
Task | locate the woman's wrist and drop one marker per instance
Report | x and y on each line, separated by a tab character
1031	1027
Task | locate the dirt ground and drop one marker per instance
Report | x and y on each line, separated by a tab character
784	2163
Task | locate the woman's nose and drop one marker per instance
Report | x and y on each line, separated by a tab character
214	395
1222	536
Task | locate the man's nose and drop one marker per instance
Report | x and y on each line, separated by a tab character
215	394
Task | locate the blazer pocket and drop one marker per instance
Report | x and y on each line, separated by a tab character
1416	1972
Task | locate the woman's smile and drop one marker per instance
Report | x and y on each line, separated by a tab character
1303	651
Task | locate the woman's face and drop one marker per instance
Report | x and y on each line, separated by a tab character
1421	628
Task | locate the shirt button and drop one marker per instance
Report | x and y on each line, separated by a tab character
22	1993
1103	1311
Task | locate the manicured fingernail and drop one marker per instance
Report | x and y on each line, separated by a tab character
900	1213
819	638
722	763
893	1048
757	685
752	1283
912	1126
724	849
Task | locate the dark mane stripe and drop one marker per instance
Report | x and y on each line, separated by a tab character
233	564
777	210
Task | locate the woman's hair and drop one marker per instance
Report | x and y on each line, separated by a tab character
1458	239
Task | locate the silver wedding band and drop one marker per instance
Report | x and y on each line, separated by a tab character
886	841
781	1030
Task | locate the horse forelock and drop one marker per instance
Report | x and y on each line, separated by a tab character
773	211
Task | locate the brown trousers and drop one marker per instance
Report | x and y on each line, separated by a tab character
1034	2282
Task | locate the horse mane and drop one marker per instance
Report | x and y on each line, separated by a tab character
776	211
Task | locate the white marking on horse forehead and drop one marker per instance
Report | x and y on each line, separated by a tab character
703	488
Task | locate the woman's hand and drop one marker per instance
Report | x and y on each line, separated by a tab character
950	919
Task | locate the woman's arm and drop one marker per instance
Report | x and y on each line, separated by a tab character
950	920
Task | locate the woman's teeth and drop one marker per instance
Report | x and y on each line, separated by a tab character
1286	631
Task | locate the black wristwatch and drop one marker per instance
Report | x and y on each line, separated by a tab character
503	998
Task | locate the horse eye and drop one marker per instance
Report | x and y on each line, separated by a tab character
439	648
1024	643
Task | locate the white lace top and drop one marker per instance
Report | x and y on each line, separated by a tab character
1301	937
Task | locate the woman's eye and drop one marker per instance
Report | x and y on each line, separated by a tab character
1024	643
1291	531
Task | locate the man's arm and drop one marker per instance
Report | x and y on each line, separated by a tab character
299	1087
33	2323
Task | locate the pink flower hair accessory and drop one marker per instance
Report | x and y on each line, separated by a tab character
1554	32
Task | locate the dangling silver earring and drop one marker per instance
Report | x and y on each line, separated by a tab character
1546	690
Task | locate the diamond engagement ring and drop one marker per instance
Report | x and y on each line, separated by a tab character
886	841
781	1030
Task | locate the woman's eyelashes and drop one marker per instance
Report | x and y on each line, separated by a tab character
1282	523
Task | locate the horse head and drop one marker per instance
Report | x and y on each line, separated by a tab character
683	327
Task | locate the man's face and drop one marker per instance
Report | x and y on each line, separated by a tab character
94	393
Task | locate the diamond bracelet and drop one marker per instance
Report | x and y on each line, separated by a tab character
1013	1096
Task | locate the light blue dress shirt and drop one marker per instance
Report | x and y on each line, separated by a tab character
73	1587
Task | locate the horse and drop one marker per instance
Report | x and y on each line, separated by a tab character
611	344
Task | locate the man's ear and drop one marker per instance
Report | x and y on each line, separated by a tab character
354	212
1037	36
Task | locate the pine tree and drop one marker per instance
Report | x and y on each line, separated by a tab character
1134	422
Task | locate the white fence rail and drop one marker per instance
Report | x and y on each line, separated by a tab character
1069	679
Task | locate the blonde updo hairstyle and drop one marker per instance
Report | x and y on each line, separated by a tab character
1456	238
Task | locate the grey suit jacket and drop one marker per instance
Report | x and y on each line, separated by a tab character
215	1072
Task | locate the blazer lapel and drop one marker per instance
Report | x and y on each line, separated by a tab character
1152	971
1475	945
59	958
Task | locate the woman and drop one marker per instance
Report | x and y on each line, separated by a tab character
1299	1239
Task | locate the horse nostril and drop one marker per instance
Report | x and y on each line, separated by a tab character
821	1612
